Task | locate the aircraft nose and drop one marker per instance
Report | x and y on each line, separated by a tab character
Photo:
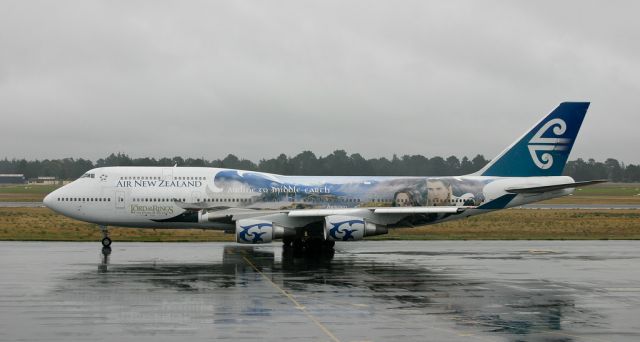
47	201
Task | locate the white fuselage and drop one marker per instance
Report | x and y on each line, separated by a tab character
188	197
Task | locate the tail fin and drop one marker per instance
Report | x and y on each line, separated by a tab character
542	151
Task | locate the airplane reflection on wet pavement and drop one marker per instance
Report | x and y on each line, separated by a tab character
497	291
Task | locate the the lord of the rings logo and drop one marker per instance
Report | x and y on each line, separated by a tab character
141	209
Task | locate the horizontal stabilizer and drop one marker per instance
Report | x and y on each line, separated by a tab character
541	189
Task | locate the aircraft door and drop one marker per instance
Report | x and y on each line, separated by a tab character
196	197
119	199
167	173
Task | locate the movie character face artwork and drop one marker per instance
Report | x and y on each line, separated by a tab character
402	199
438	192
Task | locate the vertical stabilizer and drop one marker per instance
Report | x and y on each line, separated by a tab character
543	150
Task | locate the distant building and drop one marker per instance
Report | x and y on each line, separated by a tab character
12	178
44	180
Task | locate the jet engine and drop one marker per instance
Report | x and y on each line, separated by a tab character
253	231
350	228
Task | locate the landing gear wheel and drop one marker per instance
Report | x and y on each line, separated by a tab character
106	242
298	244
329	243
314	244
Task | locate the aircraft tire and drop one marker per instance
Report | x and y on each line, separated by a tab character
106	242
298	244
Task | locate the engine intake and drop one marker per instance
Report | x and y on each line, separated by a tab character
350	228
252	231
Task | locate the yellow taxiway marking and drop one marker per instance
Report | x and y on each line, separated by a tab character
294	301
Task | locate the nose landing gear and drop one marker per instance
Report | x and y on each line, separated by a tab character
106	241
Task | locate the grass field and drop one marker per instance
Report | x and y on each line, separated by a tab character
610	189
608	193
44	225
25	192
523	224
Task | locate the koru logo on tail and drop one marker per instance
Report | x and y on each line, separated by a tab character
538	143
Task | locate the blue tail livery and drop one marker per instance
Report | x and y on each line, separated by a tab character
543	150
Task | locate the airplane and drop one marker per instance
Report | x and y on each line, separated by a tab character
311	212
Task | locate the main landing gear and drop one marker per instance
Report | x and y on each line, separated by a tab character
106	241
308	244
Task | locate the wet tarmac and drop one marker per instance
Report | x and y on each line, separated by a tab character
379	291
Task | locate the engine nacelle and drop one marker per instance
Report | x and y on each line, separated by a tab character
350	228
257	231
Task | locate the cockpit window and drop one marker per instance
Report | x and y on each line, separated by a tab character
88	175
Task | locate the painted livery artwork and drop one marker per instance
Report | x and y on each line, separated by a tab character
287	192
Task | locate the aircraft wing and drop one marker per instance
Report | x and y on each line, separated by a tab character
227	211
541	189
384	210
234	214
420	210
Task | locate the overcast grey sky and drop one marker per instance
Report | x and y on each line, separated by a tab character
260	78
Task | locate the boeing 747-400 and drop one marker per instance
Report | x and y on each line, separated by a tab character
313	211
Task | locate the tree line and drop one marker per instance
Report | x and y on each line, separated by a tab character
338	163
